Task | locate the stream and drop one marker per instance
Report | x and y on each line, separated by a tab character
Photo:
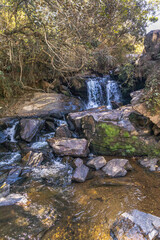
44	203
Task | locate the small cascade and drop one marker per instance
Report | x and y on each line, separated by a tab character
102	91
95	93
10	132
113	93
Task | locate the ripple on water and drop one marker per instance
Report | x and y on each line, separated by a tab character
58	173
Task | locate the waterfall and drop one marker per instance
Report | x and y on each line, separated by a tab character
102	91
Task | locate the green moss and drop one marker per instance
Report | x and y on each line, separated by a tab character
134	138
130	149
110	130
113	140
126	134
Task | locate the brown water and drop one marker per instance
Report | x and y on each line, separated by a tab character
79	211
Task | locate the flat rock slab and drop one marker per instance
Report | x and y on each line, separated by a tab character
44	104
152	164
80	173
69	146
136	225
117	167
97	162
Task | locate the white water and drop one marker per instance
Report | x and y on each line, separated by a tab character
10	132
102	91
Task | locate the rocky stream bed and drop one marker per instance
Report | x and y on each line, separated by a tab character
72	174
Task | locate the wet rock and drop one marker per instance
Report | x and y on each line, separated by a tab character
97	162
2	137
63	131
8	159
136	225
4	190
50	125
12	199
55	174
29	128
152	164
117	167
67	159
80	173
44	105
12	146
3	176
33	159
69	147
13	175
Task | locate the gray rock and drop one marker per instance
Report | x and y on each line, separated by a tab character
44	105
117	167
13	175
29	128
136	225
12	146
97	162
63	131
77	162
80	173
69	147
151	163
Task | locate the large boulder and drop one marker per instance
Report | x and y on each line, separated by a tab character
136	225
117	167
44	104
122	132
29	128
69	146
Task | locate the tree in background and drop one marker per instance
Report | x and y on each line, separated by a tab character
48	39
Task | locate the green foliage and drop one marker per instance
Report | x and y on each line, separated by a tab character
46	39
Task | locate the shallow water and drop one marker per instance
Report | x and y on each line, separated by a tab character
56	209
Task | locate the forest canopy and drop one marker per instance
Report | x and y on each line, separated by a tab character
48	39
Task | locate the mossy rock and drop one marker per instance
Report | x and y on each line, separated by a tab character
110	139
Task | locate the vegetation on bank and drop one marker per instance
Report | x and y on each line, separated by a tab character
52	39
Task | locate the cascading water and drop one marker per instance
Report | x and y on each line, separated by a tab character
102	91
11	131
